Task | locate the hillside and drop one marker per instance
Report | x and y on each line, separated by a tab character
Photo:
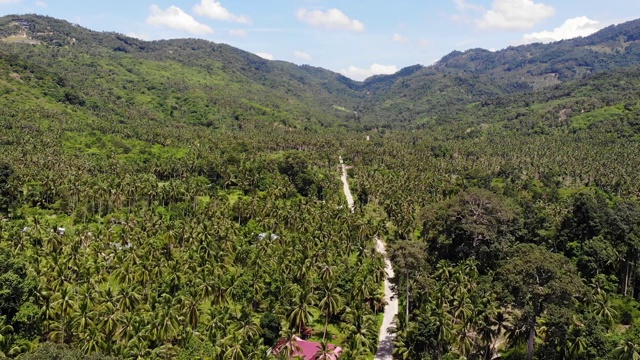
462	78
206	82
215	81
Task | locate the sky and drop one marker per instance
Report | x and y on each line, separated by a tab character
357	38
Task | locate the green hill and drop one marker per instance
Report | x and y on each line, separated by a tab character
200	82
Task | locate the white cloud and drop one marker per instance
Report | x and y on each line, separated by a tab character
332	19
302	55
578	26
173	17
9	1
399	38
265	55
375	69
514	15
424	42
237	32
214	10
42	4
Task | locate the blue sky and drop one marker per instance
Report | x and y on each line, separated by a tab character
357	38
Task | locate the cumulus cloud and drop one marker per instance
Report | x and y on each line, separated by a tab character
514	15
237	32
332	19
578	26
302	55
173	17
375	69
265	55
399	38
214	10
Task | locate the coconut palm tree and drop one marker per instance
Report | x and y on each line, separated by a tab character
329	303
627	350
361	328
235	347
326	353
62	305
300	314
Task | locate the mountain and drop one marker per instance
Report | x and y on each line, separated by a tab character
213	80
204	83
462	78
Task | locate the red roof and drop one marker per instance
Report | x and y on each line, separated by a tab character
308	350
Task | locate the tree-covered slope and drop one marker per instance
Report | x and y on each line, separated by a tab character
212	82
205	80
461	78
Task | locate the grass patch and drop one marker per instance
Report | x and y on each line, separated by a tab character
334	335
583	121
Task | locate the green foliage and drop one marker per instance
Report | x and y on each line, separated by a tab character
16	286
5	173
271	327
50	351
475	224
180	199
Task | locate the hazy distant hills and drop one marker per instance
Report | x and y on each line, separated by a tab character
200	82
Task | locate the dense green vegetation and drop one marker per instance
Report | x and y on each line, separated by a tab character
181	199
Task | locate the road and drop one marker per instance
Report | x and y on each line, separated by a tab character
386	336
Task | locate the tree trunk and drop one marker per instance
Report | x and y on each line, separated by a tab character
626	278
487	352
326	324
532	335
532	329
406	321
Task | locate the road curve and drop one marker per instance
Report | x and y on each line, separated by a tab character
386	336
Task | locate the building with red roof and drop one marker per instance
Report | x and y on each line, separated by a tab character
307	350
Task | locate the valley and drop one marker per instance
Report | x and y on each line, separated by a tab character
186	199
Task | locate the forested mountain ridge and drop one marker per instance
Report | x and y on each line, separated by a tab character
460	78
218	76
306	96
565	59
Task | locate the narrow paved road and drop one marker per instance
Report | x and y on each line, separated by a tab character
385	338
345	185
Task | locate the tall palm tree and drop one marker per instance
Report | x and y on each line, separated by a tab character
92	340
62	305
128	297
166	324
444	328
326	353
235	347
627	350
5	330
329	303
301	314
83	317
191	307
603	309
361	328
